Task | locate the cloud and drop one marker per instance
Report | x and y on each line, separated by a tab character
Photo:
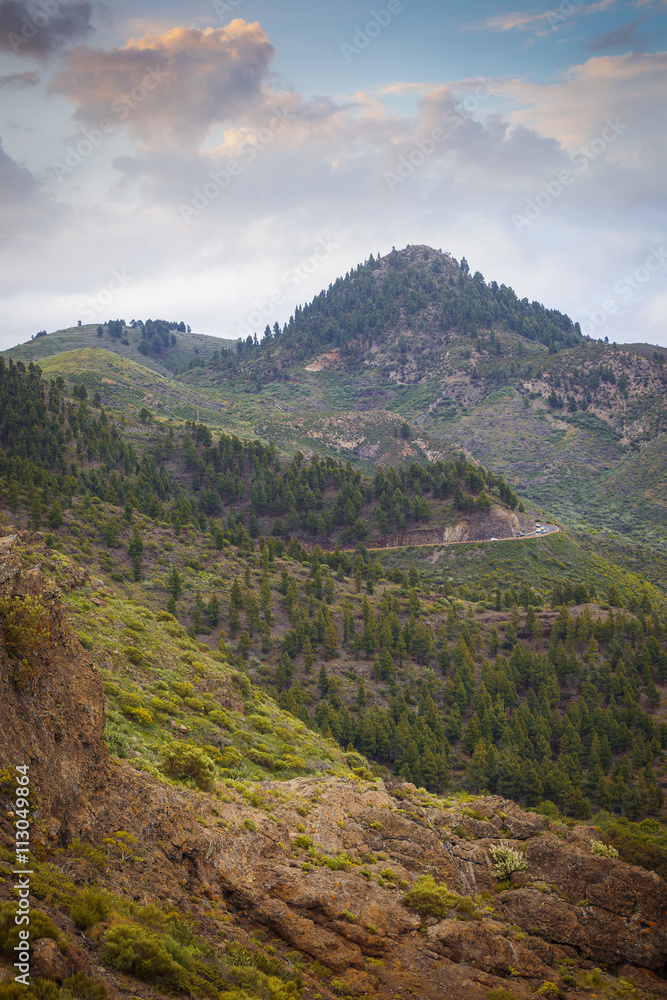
542	22
513	21
20	81
199	79
28	218
574	109
39	31
623	37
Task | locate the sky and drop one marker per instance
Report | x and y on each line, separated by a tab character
221	161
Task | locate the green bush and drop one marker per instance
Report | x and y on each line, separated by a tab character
507	861
115	742
231	757
133	949
602	850
262	758
220	718
433	900
95	856
183	688
91	906
85	988
183	760
40	927
259	722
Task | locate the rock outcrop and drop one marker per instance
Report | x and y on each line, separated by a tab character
54	721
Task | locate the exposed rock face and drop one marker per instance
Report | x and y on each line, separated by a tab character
498	523
612	911
55	724
474	527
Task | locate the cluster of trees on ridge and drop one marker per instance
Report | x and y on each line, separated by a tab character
434	293
41	431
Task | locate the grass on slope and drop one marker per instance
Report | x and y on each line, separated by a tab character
188	347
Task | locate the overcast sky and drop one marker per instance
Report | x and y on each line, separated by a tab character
221	162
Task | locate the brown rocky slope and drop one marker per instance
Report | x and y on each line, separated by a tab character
321	864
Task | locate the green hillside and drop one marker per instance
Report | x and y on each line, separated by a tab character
535	668
165	355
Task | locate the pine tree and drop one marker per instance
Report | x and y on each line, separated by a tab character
330	641
245	645
308	655
36	514
174	584
234	620
213	611
55	516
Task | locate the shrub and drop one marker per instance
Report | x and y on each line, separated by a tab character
85	988
91	906
25	624
195	704
134	655
507	861
259	722
182	688
95	856
602	850
115	742
433	900
183	760
40	927
262	758
140	715
133	949
231	757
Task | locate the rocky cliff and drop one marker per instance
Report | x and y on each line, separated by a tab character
477	526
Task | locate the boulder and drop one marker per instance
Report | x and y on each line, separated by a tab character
47	961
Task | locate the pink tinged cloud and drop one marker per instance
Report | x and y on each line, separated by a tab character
170	89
